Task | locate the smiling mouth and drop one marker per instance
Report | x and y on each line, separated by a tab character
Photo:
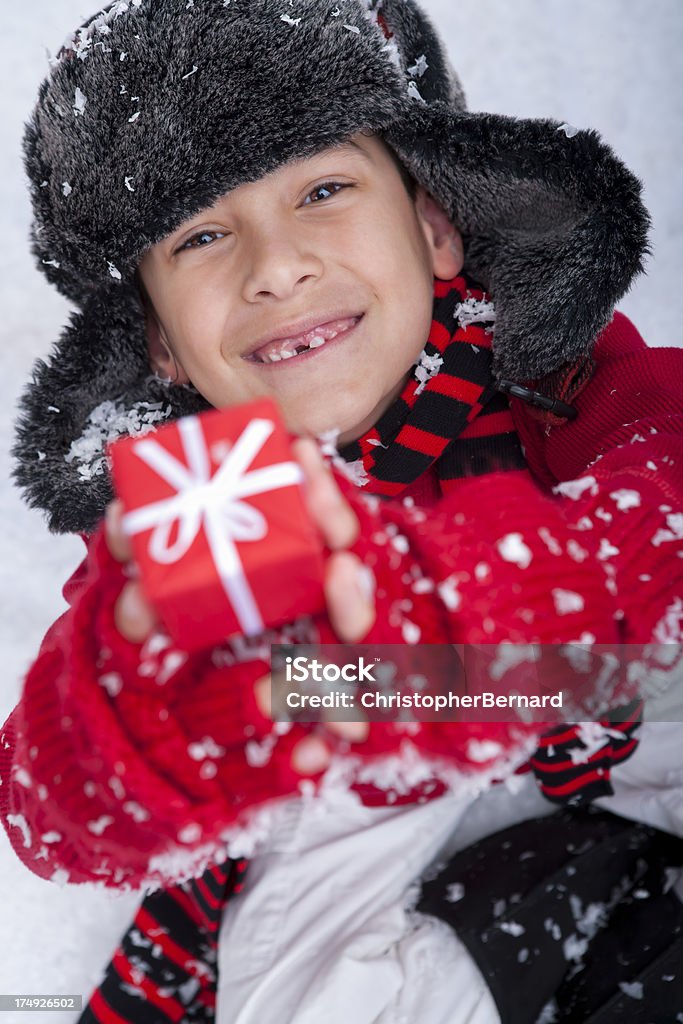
309	343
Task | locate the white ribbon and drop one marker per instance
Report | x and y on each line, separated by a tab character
213	502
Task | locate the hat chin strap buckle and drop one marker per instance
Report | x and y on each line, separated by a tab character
554	406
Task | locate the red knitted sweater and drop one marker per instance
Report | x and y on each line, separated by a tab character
119	757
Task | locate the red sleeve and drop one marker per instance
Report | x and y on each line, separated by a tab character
498	560
123	762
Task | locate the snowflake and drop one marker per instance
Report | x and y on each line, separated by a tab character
207	747
19	821
633	989
574	489
567	601
112	683
448	592
474	311
512	928
625	499
483	750
259	754
419	67
426	367
79	103
190	833
353	471
569	130
455	892
411	633
513	549
98	826
106	422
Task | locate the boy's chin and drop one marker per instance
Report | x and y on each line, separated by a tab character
339	431
349	425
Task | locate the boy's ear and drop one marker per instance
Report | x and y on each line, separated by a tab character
161	360
444	240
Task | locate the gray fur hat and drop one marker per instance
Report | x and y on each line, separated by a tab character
155	108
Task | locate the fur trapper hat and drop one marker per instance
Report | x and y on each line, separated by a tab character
156	108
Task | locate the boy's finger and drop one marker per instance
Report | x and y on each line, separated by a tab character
354	732
332	514
262	694
134	617
349	587
117	541
310	756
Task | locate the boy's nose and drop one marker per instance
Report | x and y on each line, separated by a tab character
277	264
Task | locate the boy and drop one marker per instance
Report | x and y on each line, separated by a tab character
227	258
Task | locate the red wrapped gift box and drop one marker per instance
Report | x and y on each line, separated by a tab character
215	510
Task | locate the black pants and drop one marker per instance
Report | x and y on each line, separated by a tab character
570	918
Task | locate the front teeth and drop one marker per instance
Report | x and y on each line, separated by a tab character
286	353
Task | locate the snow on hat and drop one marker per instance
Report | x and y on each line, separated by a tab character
156	108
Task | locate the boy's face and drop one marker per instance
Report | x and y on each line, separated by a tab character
332	240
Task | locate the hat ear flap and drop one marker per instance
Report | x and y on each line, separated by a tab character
104	348
553	225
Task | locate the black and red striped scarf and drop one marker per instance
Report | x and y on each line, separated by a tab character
165	968
449	416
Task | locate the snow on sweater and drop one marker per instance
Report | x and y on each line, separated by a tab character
132	764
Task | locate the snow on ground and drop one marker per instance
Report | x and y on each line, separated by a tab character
613	66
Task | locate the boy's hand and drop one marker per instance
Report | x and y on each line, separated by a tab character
350	603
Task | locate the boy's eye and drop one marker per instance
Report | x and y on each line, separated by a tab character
200	239
322	192
325	190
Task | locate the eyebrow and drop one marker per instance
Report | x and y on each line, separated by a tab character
349	145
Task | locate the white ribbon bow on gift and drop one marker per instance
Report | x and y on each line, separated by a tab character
213	502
